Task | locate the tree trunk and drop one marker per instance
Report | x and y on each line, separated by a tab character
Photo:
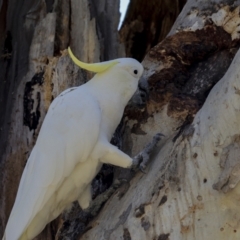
190	190
35	68
147	23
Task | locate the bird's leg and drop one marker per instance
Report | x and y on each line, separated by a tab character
141	160
112	155
116	157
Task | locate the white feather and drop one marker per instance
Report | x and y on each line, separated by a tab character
71	146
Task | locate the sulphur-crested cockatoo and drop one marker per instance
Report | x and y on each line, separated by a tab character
73	143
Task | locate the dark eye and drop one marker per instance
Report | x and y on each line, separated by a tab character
135	71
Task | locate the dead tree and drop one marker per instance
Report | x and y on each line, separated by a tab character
190	190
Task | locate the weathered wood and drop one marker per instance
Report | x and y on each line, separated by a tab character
192	182
147	23
177	199
17	25
181	71
35	69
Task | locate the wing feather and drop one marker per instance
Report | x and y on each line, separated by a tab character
68	135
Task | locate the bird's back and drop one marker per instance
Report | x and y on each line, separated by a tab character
67	137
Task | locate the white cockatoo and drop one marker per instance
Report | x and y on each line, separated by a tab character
73	143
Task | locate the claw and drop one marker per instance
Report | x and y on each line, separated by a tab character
136	161
144	156
142	169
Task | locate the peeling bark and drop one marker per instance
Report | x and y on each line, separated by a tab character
181	70
147	23
35	68
190	190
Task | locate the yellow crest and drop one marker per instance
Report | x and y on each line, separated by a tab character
93	67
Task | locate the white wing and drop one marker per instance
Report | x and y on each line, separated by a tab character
68	135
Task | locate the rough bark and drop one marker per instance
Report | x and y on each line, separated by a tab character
35	68
146	23
190	190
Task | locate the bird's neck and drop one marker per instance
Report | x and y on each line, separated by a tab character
115	88
113	95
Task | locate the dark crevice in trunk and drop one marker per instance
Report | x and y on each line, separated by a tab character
146	23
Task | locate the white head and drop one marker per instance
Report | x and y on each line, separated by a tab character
122	74
130	65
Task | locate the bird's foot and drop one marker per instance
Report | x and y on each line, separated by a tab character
141	160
